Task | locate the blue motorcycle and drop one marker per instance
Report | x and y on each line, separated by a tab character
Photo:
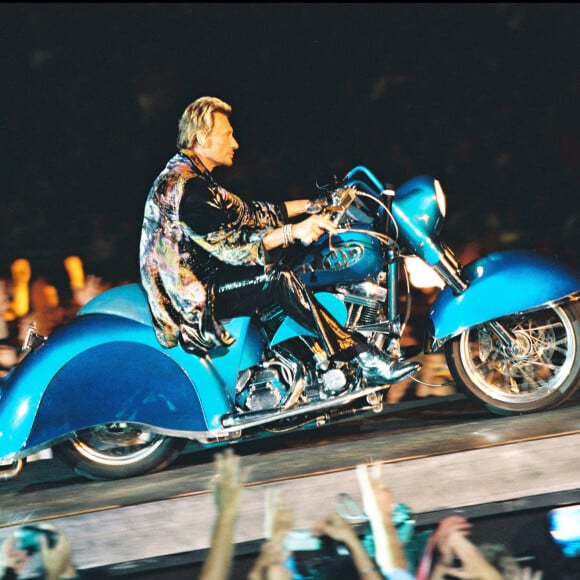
108	399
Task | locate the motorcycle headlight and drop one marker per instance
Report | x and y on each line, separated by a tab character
440	198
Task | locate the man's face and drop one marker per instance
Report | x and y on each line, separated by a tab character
219	145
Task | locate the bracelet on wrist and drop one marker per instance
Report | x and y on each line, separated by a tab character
287	236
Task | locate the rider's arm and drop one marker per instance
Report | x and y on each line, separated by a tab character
306	231
296	207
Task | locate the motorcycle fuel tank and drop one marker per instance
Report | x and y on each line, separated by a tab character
341	258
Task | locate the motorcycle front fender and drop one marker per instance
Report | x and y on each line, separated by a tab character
104	369
501	284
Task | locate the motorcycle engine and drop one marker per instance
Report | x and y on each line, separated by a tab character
269	384
364	301
337	380
260	389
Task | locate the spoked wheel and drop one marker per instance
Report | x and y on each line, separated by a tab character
117	451
540	371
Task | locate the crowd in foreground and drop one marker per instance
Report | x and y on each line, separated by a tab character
387	551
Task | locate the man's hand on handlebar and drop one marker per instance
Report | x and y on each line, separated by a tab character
314	226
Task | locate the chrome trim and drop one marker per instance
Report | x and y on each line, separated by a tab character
32	339
256	418
12	471
387	326
451	276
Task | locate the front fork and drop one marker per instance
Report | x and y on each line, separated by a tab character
392	310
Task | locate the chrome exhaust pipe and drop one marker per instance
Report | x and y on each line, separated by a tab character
263	416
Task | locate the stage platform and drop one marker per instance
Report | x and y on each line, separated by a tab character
439	456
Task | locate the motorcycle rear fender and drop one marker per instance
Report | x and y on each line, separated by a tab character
102	369
130	301
126	301
501	284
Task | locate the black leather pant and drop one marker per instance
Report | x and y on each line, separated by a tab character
241	290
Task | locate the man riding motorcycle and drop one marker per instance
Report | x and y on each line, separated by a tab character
207	255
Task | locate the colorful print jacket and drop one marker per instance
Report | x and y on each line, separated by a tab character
179	255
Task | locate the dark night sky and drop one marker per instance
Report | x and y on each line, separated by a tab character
483	96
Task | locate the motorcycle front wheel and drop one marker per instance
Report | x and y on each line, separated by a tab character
541	373
118	451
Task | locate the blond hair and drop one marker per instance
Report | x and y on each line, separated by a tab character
198	118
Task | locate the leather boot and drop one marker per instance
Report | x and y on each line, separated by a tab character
379	369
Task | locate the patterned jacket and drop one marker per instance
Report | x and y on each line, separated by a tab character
182	249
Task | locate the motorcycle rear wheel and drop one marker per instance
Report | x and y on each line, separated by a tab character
542	375
118	451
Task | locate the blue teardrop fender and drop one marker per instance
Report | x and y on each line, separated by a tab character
103	368
130	301
126	301
500	284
